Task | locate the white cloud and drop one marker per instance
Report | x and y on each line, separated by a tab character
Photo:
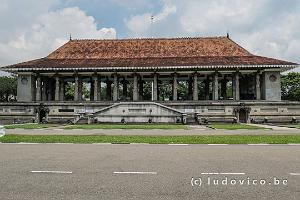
140	25
264	27
47	32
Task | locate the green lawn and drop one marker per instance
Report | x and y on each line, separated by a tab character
127	126
125	139
234	126
29	126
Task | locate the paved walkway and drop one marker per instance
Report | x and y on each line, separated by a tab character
194	130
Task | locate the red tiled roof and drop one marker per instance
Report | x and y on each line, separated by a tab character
149	53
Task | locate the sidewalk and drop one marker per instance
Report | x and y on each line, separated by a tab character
195	130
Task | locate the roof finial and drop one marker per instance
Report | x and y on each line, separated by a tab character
227	34
151	25
70	36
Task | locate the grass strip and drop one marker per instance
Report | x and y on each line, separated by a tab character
125	139
29	126
234	126
127	126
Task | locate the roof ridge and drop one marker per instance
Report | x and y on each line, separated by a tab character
146	38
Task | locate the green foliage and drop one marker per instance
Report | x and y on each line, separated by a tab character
290	86
8	88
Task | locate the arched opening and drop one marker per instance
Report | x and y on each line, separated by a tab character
243	116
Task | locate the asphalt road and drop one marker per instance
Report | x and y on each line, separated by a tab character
105	171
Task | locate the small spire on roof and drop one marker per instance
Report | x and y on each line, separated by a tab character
227	34
70	36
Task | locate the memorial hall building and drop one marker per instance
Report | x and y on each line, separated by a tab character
157	80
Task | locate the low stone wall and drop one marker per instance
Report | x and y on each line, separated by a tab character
212	111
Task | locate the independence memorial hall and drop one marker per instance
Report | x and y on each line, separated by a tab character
159	80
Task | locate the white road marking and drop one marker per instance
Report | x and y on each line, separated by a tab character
53	172
217	144
293	144
178	144
295	174
258	144
222	173
135	173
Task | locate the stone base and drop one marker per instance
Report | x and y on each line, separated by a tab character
200	111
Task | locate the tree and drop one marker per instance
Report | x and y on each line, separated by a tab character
290	86
8	88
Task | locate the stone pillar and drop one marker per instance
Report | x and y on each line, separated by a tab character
207	88
38	88
78	89
62	90
125	89
257	87
190	89
108	90
92	89
80	92
236	87
44	90
76	93
57	88
195	88
216	87
135	88
141	88
116	88
97	88
224	88
175	85
49	89
155	87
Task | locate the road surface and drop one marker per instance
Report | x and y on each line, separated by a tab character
141	171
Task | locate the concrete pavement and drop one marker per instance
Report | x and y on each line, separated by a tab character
194	130
177	168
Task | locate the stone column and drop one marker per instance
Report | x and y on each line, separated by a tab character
135	88
141	89
155	87
207	88
80	92
76	93
62	90
216	87
257	87
38	88
195	87
49	89
108	90
224	88
116	88
175	85
97	88
92	89
44	90
125	89
190	88
57	88
236	87
78	88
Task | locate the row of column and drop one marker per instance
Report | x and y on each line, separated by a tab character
41	90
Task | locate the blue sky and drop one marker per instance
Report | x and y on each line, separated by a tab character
33	28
